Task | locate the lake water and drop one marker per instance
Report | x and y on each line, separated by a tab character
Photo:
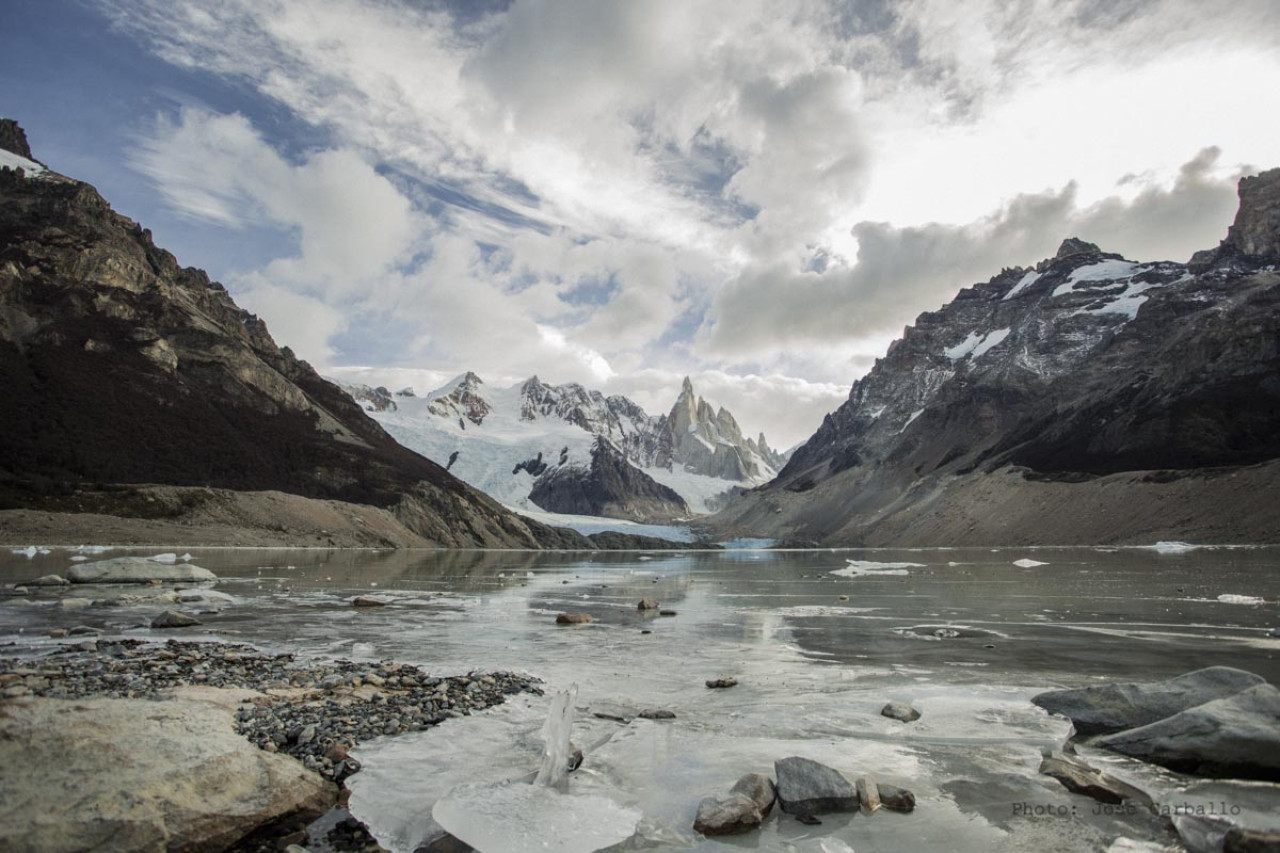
964	635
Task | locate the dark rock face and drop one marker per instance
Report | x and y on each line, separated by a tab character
13	138
1236	737
120	366
807	788
1087	365
611	487
1115	707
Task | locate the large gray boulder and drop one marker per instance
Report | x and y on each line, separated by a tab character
137	570
1236	737
1115	707
806	787
727	815
130	774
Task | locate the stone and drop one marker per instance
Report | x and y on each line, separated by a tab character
133	774
897	799
900	711
1237	737
174	619
58	633
137	570
1118	706
368	601
721	683
49	580
1080	778
617	713
657	714
727	815
574	619
74	603
868	794
759	788
1238	840
667	613
806	787
647	604
82	631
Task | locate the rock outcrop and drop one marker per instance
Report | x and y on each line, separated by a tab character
132	774
121	366
1089	399
610	487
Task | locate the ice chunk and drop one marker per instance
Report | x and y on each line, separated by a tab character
1028	564
1173	547
520	818
168	559
861	568
1230	598
555	734
28	552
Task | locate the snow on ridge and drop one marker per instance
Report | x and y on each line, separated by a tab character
976	344
1023	283
17	161
1108	270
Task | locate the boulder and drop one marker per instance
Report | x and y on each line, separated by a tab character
368	601
174	619
647	604
137	570
74	603
900	711
132	774
897	799
759	789
1119	706
574	619
657	714
721	683
727	815
1079	778
1236	737
806	787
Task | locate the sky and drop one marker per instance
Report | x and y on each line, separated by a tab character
756	194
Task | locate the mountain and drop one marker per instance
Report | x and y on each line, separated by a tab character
119	366
566	448
1091	399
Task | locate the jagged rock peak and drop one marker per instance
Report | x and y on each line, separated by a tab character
1076	246
686	388
14	139
1256	230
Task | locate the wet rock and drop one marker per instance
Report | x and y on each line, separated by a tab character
574	619
666	613
1115	707
897	799
1238	840
188	782
58	633
900	711
722	683
1236	737
576	757
368	601
617	713
81	631
137	570
759	789
1079	778
74	603
808	820
657	714
806	787
868	794
49	580
727	815
647	604
174	619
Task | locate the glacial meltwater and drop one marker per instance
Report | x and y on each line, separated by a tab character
818	642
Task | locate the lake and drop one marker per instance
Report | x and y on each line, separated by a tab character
966	636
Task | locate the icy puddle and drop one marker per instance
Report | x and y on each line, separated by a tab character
818	642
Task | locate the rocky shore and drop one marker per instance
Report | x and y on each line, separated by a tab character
314	711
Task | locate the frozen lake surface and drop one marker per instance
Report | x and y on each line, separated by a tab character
819	641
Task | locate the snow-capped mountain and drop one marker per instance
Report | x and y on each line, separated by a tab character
1036	406
575	450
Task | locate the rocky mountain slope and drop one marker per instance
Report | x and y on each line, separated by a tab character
1090	399
553	447
119	366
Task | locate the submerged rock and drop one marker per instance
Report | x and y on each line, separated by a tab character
759	788
897	799
647	604
133	774
806	787
1079	778
1238	737
1115	707
137	570
49	580
727	815
174	619
574	619
368	601
900	711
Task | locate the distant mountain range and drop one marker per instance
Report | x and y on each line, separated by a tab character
1090	399
568	449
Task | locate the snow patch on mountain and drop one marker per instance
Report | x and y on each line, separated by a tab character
32	169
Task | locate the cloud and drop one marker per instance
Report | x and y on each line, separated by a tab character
900	271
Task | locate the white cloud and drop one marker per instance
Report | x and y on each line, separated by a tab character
735	189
